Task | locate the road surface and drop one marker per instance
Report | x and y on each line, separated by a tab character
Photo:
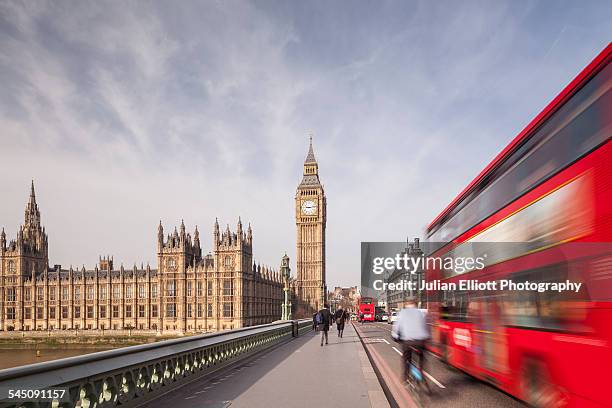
450	387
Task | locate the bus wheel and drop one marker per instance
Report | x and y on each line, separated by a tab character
538	389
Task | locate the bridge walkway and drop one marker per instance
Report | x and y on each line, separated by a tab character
299	373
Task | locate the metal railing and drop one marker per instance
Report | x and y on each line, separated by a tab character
131	376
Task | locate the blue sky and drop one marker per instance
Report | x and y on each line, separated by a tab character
125	113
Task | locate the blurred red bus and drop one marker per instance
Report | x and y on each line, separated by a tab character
551	189
366	309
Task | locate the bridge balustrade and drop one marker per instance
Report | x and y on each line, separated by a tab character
130	376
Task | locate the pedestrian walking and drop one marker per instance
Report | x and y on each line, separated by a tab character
314	322
324	319
340	317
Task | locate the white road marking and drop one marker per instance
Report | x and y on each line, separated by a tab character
193	396
438	383
370	341
386	341
433	379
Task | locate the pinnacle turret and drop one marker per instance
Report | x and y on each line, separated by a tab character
196	237
216	235
160	234
32	193
182	230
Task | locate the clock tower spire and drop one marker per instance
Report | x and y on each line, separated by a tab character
310	219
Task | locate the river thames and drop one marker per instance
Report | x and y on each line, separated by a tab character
17	357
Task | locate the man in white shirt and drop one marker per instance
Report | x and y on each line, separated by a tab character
411	330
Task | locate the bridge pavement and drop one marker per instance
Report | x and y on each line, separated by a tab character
297	374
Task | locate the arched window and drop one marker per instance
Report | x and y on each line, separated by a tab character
11	266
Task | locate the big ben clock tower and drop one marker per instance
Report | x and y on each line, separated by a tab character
310	219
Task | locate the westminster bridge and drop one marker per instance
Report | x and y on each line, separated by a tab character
280	364
243	367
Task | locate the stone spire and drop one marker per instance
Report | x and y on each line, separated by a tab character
182	230
216	237
32	215
160	234
32	193
196	237
310	157
311	170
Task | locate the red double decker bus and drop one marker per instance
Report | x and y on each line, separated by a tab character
366	309
549	192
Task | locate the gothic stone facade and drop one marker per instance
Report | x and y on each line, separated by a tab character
310	219
188	292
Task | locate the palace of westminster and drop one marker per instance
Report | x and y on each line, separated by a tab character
187	293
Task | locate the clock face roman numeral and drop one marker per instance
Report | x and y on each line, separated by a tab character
309	207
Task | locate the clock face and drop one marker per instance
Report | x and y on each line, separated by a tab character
309	207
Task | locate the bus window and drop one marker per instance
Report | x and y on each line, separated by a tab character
455	306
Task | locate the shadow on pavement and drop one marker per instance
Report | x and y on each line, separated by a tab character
219	389
203	392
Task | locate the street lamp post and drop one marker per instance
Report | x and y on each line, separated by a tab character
286	273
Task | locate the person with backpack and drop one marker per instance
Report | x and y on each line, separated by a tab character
324	318
340	317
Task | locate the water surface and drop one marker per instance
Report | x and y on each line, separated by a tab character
16	357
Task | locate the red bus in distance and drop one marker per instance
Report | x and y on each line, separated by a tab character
366	309
550	189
